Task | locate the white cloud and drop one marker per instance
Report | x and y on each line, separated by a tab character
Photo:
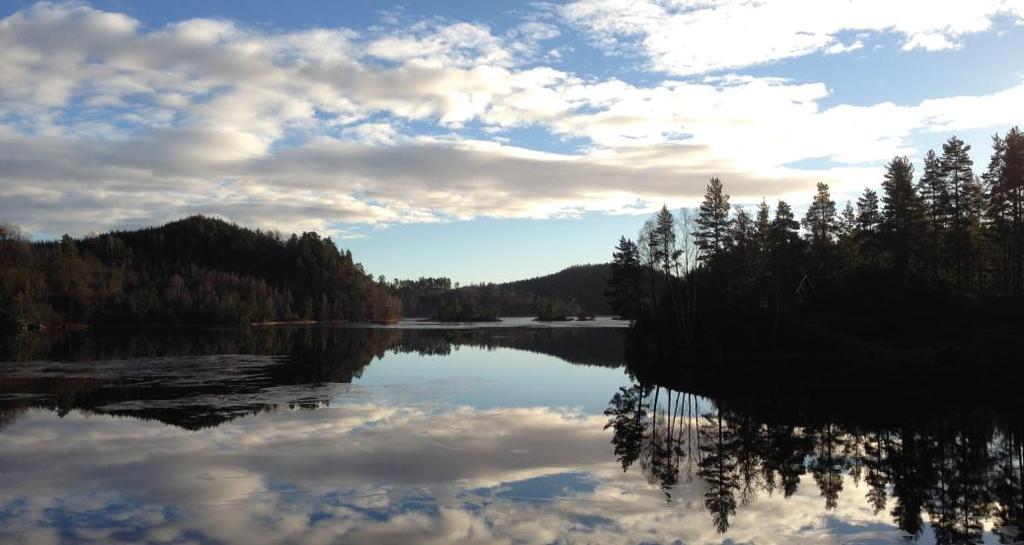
106	124
697	36
840	47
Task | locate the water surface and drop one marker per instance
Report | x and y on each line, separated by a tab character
424	433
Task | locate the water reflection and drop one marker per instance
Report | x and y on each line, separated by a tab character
195	379
430	436
959	473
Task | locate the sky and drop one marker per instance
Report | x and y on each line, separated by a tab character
484	141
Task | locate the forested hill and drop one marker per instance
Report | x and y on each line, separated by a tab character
568	293
195	270
583	283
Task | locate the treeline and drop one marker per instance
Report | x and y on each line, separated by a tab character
572	292
195	270
944	244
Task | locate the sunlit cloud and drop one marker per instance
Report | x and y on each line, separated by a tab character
105	122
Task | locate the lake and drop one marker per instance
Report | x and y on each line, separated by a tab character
512	432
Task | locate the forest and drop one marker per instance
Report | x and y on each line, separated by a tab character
927	260
196	270
573	292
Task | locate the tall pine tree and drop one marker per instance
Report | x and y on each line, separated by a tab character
712	234
958	178
901	213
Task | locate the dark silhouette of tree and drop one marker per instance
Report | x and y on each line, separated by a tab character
666	251
958	178
1004	211
912	460
746	247
626	283
1011	191
866	235
876	471
785	228
960	503
829	464
935	203
822	229
627	416
718	469
763	226
820	221
713	223
901	213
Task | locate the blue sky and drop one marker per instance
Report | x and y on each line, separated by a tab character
484	141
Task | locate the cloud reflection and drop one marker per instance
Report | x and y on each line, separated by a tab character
369	473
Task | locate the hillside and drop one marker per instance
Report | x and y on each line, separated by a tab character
571	291
194	270
583	283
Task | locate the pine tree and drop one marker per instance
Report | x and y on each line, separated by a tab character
712	235
935	204
997	214
1012	183
901	213
784	226
666	254
743	230
847	221
846	234
762	238
763	224
821	222
625	285
958	178
868	215
785	245
745	247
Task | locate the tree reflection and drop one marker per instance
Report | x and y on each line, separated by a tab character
961	473
200	378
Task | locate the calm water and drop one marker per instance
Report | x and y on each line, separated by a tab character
430	434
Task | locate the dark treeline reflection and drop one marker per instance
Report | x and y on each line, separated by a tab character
203	378
959	470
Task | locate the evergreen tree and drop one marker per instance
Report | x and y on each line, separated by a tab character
847	221
846	234
901	213
666	252
762	236
745	246
866	234
958	178
763	224
1005	212
712	234
868	215
784	226
743	233
625	285
820	221
935	204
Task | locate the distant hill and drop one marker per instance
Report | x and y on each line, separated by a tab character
195	270
583	283
577	289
